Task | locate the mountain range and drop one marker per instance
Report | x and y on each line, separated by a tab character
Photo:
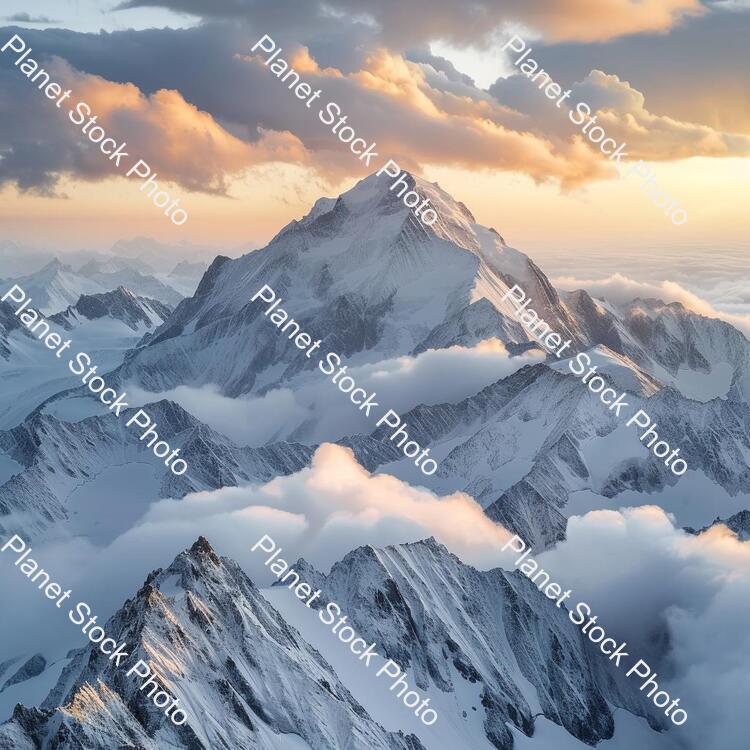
56	286
369	279
486	646
373	282
104	325
136	312
532	447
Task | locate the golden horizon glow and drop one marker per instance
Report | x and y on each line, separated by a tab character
604	212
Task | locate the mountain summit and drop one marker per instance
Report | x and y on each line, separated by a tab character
244	678
136	312
368	277
362	273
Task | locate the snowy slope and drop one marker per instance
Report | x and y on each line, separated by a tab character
55	286
242	675
137	314
255	669
359	272
110	275
185	277
524	445
373	282
104	325
702	357
491	652
67	464
28	681
8	323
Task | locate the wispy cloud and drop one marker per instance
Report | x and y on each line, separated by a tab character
621	289
26	18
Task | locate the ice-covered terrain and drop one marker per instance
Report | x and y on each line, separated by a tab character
103	325
369	279
65	463
248	666
419	314
57	285
243	676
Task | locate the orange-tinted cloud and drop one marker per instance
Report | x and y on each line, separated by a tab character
179	142
586	21
413	112
415	119
409	24
390	101
623	114
335	505
185	144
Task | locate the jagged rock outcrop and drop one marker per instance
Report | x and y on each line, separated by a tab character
243	677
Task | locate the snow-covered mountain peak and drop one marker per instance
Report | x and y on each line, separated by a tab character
55	266
202	548
194	571
376	198
653	306
364	272
215	643
113	264
55	286
321	207
139	314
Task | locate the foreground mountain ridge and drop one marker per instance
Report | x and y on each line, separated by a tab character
449	625
242	675
246	678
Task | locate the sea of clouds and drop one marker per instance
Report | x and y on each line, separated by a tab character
681	601
316	410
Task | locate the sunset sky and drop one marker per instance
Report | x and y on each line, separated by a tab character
429	83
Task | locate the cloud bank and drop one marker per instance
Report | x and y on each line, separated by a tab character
315	410
621	290
408	24
225	104
680	601
319	513
163	129
334	506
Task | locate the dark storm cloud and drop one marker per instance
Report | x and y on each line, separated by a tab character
404	24
697	72
26	18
